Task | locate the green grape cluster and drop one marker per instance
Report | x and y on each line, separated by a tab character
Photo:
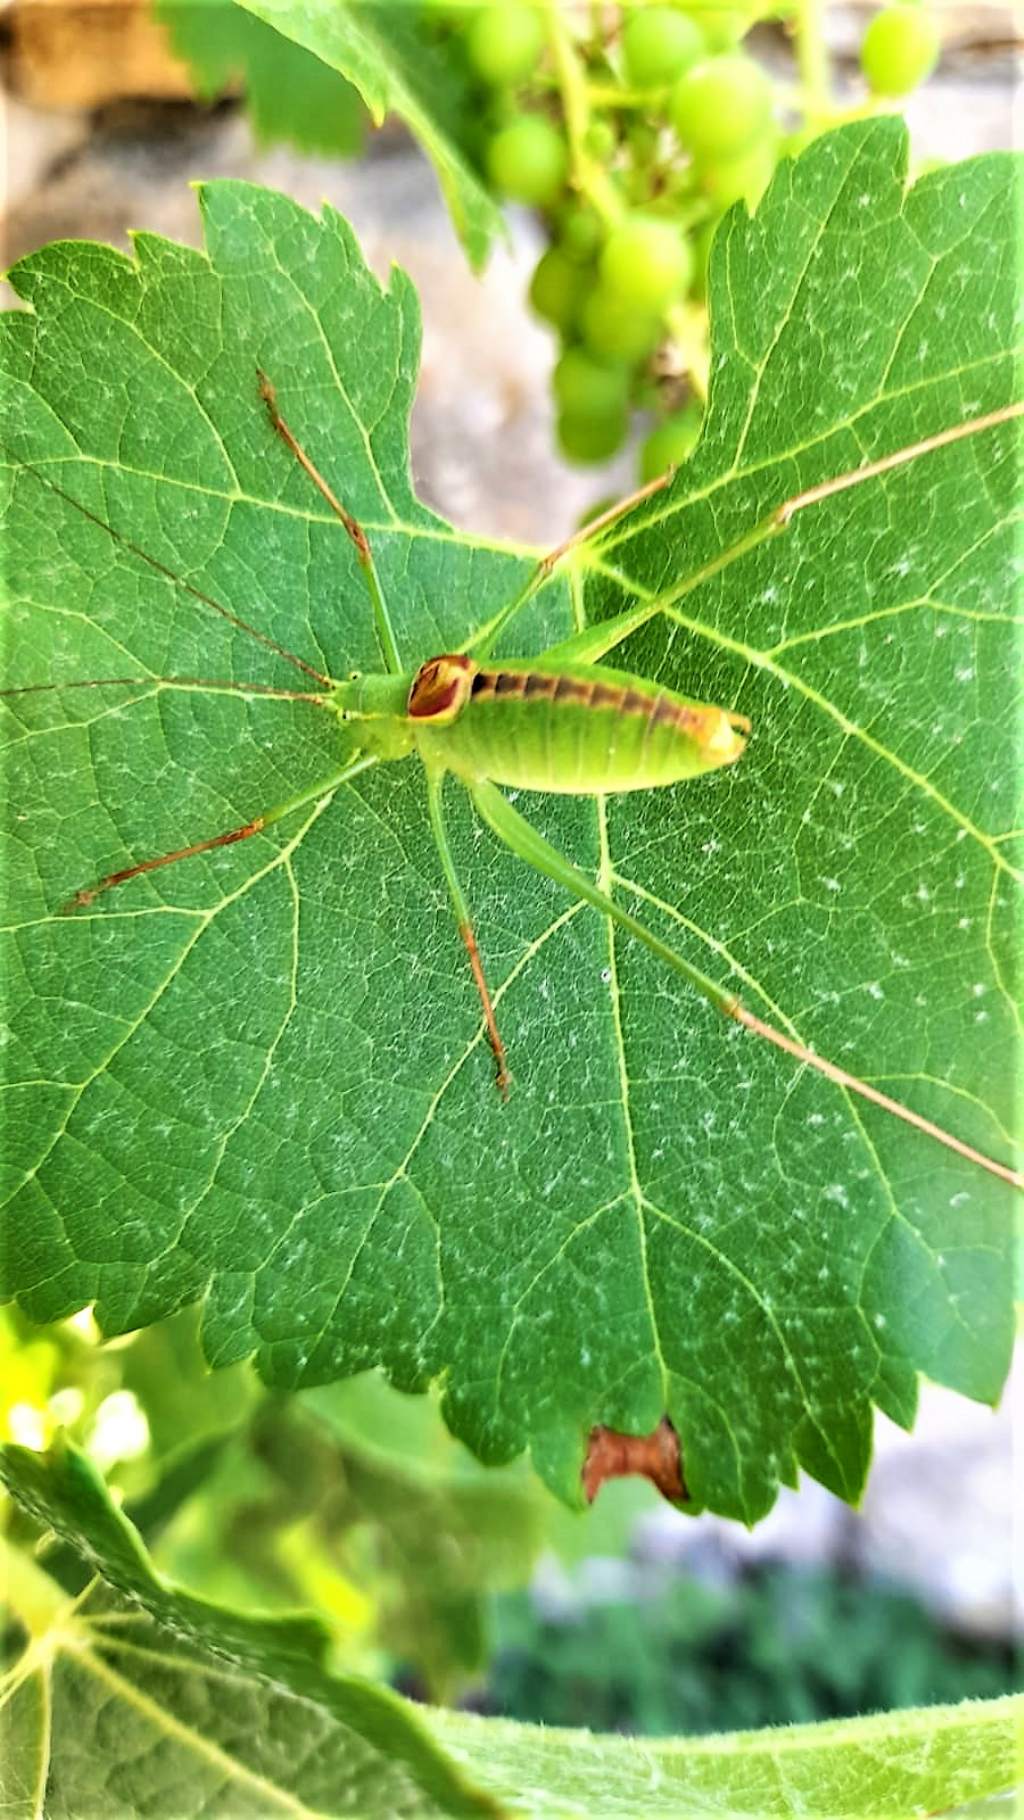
632	129
900	49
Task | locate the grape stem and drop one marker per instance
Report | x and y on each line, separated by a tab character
812	62
605	94
588	178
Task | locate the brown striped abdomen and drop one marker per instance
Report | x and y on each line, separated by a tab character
578	729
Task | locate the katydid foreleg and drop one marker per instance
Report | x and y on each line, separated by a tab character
435	786
324	786
526	843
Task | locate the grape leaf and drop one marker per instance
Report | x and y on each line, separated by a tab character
289	94
184	1703
258	1079
140	1704
390	56
351	1486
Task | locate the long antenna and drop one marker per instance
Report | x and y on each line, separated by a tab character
233	619
188	683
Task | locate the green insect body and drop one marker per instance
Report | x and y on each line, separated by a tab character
572	729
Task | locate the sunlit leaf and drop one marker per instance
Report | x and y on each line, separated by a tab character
258	1078
290	94
177	1705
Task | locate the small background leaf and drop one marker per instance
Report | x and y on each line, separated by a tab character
290	94
205	1707
390	55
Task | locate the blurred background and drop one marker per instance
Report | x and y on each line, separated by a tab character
461	1584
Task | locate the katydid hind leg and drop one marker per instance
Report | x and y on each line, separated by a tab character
526	843
435	787
360	541
230	837
592	643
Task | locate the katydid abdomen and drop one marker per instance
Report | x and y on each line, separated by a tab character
574	729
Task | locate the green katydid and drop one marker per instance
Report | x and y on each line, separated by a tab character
560	722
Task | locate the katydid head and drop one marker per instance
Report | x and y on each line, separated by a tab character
377	702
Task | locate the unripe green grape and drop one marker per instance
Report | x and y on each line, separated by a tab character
558	288
724	26
720	107
580	231
504	43
899	49
601	140
528	160
743	178
670	443
658	44
587	387
616	329
646	263
586	439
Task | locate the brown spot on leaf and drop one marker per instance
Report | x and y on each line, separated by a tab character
611	1455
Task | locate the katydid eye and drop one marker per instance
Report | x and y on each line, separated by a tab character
354	675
